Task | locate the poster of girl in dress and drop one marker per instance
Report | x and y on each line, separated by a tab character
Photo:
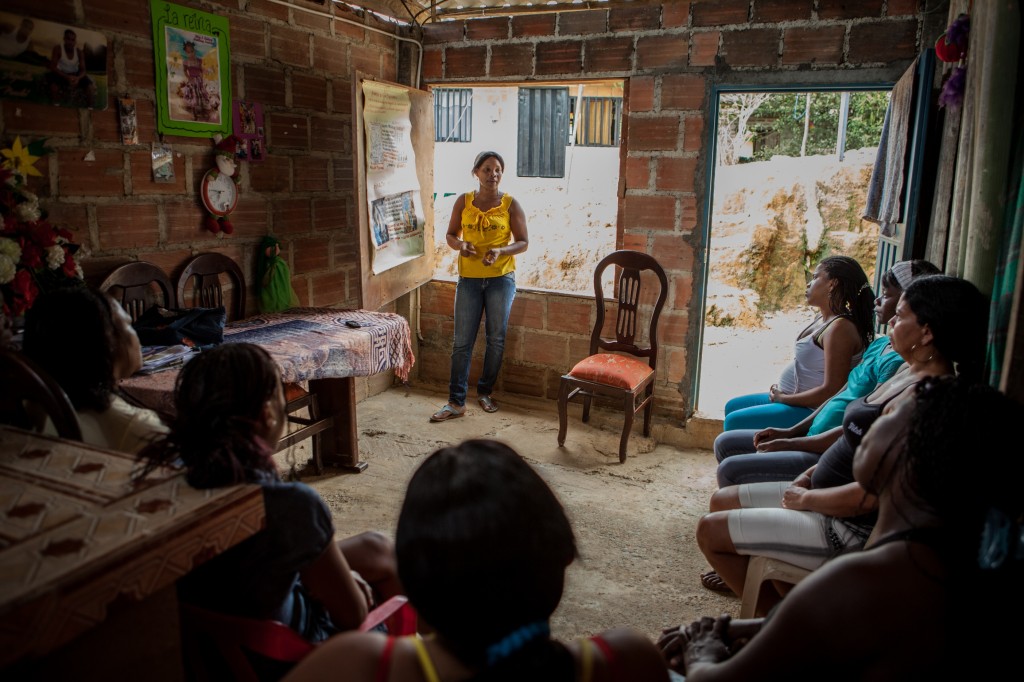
193	84
193	79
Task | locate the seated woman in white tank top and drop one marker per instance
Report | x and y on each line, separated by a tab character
824	352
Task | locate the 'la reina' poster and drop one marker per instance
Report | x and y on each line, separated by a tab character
392	188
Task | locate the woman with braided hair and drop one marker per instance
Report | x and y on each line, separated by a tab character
229	406
483	545
927	598
824	353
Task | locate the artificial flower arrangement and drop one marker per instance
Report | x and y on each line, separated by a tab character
35	256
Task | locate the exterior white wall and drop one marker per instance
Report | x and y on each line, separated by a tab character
571	220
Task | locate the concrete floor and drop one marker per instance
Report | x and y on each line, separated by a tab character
634	522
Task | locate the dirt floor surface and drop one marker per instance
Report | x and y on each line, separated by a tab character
639	565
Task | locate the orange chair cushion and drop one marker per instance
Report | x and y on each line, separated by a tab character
293	392
612	370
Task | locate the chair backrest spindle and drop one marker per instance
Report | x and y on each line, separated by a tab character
135	281
207	291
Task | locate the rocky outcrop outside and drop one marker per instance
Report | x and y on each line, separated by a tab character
772	220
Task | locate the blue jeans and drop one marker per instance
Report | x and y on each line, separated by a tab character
473	297
740	462
757	411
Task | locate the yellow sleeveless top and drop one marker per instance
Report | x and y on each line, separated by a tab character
486	230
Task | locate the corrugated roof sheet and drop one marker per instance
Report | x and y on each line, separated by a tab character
426	11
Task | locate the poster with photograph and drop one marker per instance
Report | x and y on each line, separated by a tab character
248	125
392	187
193	83
50	63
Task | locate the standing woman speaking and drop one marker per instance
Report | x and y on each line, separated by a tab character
487	228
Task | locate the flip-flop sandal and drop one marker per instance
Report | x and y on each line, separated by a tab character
487	403
712	581
445	413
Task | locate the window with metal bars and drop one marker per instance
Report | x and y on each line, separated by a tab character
600	121
453	115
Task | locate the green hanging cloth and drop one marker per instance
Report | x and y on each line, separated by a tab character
273	279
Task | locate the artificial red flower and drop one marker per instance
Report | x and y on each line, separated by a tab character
69	267
31	255
42	233
24	290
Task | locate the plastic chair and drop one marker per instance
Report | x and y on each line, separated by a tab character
136	280
218	646
207	268
30	395
628	380
207	291
761	569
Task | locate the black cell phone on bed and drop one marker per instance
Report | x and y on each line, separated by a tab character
353	324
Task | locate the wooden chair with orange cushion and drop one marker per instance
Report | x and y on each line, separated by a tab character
207	291
625	370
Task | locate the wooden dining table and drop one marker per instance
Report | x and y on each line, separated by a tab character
89	557
322	346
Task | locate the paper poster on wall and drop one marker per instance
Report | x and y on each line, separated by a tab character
392	187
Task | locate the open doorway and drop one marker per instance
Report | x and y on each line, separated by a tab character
788	186
560	143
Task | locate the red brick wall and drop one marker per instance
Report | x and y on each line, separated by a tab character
296	64
670	55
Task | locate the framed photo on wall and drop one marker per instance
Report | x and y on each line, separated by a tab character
51	63
193	77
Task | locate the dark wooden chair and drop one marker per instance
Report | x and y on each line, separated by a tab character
137	283
30	395
207	290
619	373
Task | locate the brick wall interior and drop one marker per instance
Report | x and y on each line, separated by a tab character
300	66
670	55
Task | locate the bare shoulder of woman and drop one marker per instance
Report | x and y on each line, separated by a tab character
635	657
842	330
351	657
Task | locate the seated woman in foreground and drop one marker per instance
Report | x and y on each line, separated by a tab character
85	341
940	327
229	406
824	353
915	604
482	546
822	427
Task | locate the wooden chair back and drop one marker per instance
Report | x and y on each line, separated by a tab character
141	285
30	395
207	290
